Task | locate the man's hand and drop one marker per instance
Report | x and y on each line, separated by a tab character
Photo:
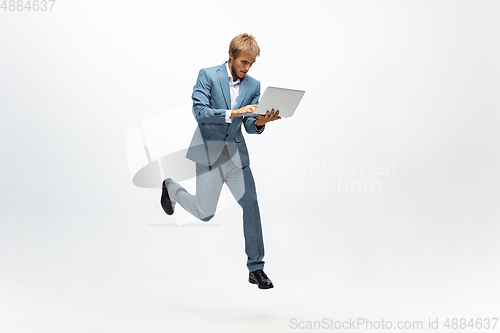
263	119
245	109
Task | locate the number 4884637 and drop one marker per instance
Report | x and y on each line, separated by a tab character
30	5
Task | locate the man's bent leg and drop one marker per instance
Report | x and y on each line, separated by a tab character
203	204
242	186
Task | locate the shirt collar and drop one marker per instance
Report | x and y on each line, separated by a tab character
230	76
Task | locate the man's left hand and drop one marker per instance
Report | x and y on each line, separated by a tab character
263	119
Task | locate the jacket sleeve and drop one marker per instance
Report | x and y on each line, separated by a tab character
201	100
249	121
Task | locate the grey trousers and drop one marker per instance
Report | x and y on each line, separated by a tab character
209	181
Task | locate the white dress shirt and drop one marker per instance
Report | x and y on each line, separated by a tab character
234	89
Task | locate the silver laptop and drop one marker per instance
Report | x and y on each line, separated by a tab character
284	100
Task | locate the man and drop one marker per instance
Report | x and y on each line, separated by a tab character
220	97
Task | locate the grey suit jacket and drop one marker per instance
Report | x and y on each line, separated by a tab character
211	99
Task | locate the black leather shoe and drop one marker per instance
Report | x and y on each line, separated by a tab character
260	278
167	204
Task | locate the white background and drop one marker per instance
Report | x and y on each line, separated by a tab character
413	84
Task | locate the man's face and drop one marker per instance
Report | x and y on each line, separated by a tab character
241	65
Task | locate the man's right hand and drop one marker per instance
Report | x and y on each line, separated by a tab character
245	109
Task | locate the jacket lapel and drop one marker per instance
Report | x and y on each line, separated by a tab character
224	84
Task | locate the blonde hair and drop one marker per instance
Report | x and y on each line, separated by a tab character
244	42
